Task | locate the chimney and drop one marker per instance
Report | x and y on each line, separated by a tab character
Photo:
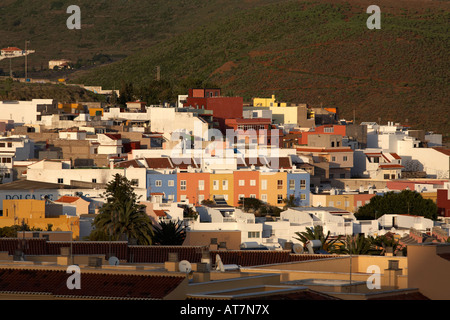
392	273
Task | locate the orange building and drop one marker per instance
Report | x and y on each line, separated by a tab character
193	186
246	185
273	187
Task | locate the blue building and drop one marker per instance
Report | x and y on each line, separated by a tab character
161	187
298	185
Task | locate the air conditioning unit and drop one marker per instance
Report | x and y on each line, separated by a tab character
95	262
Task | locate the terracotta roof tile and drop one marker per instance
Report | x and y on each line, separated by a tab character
93	284
159	163
68	199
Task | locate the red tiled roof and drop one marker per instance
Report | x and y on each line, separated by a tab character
160	213
305	294
443	150
396	156
373	154
391	166
401	296
128	164
153	254
68	199
325	150
113	136
159	163
11	49
94	284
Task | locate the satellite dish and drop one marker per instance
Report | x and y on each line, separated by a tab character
185	266
219	264
297	248
113	261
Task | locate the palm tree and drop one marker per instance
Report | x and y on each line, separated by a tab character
316	233
357	244
118	219
169	233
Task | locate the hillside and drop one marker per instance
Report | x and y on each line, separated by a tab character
13	90
318	53
112	29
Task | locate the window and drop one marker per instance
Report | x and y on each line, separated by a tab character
331	204
264	185
171	197
342	175
280	184
386	176
328	130
225	184
254	234
94	180
241	183
201	198
303	184
241	196
7	175
183	185
170	183
216	185
2	145
9	145
264	197
345	158
252	183
333	158
338	203
292	184
201	185
60	180
183	197
134	182
359	204
158	183
280	199
302	196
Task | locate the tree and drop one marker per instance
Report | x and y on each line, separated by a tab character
169	233
121	215
289	202
316	233
405	202
356	244
251	203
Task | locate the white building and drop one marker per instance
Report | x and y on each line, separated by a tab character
376	164
228	219
27	112
395	139
401	224
60	172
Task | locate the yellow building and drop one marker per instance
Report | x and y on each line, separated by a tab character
71	107
38	214
268	102
222	184
95	112
273	188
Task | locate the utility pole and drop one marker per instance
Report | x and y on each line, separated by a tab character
26	60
